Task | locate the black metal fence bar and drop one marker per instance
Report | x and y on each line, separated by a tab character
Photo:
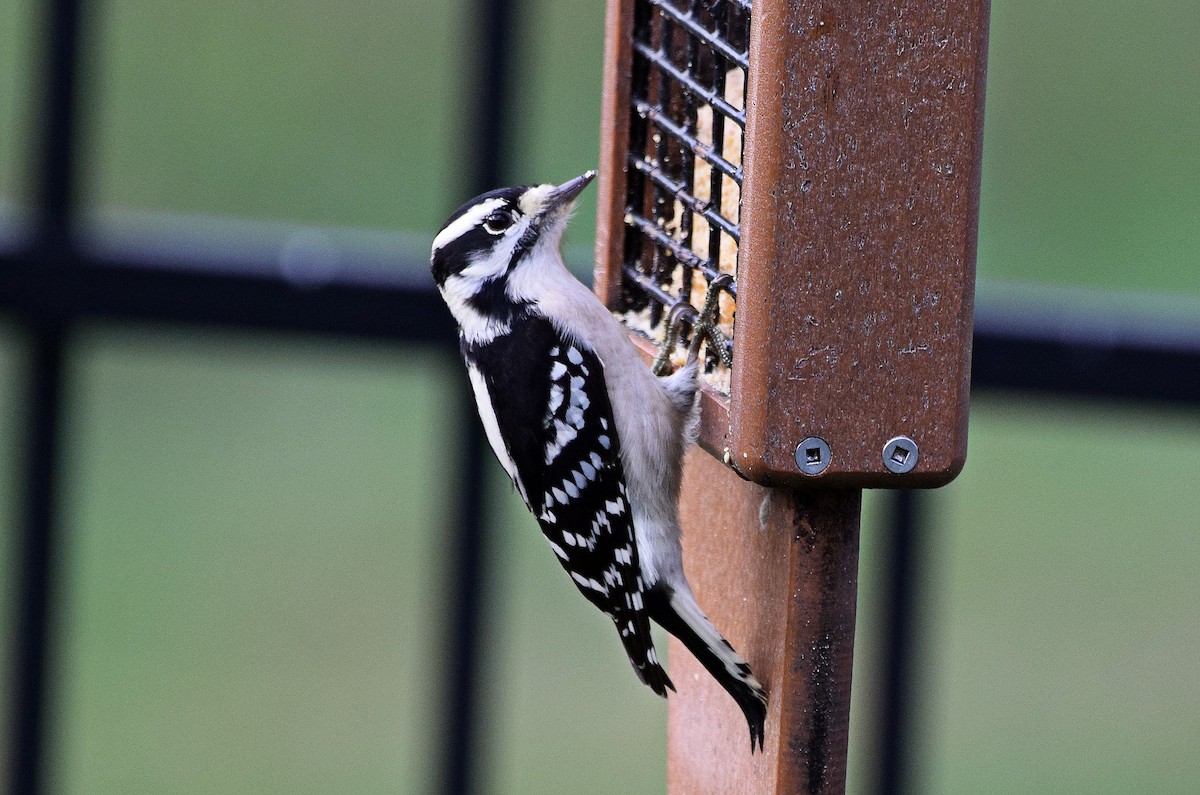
1085	357
487	147
55	201
93	288
55	184
36	556
900	591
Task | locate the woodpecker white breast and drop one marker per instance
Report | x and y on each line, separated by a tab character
591	439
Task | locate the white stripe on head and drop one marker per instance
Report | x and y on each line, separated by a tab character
484	266
466	222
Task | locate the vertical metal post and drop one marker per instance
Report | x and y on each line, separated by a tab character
464	599
55	191
35	555
902	574
488	135
55	196
491	40
777	571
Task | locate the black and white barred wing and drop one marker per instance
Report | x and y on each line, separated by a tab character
563	454
584	510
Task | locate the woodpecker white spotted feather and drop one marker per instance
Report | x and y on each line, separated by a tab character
592	439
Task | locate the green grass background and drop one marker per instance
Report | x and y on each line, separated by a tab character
254	545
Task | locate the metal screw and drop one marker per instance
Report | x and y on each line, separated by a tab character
900	454
812	455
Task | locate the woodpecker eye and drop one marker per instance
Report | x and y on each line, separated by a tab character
498	221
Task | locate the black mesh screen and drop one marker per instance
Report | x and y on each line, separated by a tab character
688	117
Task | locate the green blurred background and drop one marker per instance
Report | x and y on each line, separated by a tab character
254	534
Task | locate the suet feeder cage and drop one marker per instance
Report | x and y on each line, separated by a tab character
810	172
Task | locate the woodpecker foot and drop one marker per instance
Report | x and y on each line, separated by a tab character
680	312
707	327
704	327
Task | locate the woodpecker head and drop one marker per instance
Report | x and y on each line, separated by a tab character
494	235
500	251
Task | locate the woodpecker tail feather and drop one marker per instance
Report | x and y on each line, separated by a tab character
677	612
640	648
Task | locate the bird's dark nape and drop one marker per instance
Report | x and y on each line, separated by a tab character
752	703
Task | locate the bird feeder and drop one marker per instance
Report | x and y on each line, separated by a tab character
811	171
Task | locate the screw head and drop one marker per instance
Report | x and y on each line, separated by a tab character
900	454
812	455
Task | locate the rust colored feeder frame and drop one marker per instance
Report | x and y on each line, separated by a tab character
826	155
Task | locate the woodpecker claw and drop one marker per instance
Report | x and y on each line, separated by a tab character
707	326
676	315
704	326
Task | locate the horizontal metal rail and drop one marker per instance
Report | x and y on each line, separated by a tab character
663	122
680	191
124	288
687	20
663	61
669	244
1087	344
1071	346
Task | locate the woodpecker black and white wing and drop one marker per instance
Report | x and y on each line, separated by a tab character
551	424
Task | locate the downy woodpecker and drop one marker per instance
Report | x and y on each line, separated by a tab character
592	439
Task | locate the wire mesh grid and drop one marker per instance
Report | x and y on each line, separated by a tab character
687	120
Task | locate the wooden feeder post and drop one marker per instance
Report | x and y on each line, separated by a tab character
827	155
